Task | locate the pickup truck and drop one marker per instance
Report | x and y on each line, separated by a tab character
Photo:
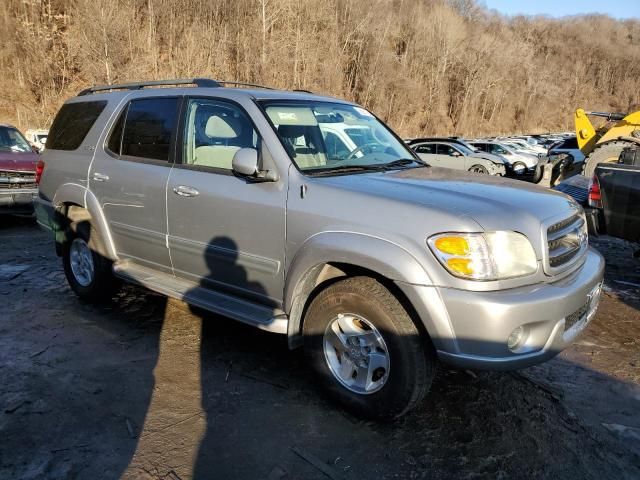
615	190
378	264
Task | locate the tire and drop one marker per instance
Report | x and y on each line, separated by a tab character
94	283
606	153
519	165
395	387
478	169
537	173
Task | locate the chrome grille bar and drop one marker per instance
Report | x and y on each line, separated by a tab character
566	240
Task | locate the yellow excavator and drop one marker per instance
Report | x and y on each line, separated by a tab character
604	145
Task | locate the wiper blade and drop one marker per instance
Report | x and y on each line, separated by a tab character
402	162
376	167
345	169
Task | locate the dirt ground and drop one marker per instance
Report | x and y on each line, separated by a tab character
146	388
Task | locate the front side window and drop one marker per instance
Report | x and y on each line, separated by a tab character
444	149
149	127
214	132
359	140
11	140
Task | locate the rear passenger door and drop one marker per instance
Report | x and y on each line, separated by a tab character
225	232
129	176
427	152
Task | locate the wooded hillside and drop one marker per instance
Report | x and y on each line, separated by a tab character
426	66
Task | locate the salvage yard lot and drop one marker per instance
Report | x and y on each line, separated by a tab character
149	388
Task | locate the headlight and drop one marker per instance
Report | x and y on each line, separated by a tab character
485	256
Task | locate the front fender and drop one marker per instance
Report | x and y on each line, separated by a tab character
387	259
72	193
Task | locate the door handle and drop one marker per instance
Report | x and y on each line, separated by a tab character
100	177
185	191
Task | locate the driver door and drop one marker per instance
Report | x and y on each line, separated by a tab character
225	232
451	157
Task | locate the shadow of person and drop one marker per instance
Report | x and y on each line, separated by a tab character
227	348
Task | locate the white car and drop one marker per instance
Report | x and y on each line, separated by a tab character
525	146
521	163
37	138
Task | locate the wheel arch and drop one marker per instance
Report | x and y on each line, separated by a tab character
74	203
326	258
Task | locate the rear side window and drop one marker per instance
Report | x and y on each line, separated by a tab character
71	125
427	148
149	129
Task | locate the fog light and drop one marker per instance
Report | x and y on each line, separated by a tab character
517	338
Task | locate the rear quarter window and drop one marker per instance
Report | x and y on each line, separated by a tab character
72	123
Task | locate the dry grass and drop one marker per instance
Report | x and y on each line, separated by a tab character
427	67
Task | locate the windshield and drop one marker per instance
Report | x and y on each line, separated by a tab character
324	136
11	140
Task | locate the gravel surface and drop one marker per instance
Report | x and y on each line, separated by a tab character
149	388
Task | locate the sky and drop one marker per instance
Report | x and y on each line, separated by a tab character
561	8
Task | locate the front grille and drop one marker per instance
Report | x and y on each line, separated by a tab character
17	180
565	241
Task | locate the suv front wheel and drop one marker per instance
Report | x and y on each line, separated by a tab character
368	352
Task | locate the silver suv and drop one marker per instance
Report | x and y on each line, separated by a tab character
240	202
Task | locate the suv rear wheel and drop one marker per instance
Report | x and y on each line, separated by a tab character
89	274
368	352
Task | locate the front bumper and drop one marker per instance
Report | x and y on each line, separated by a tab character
18	200
498	170
470	329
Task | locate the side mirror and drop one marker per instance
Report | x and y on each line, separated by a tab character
456	154
245	163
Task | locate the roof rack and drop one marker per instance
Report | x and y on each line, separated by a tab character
242	84
199	82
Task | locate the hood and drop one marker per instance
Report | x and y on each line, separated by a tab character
18	161
494	203
489	156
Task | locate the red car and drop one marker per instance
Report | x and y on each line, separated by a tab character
18	164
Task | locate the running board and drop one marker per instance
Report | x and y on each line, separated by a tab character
265	318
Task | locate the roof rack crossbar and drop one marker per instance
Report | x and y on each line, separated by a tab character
199	82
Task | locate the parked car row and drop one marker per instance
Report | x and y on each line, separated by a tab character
514	156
